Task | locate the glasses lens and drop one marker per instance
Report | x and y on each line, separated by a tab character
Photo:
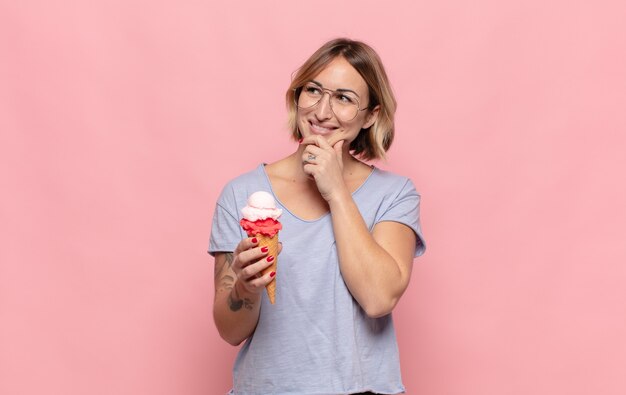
310	95
344	105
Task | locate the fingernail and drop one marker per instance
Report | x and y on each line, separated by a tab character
270	258
264	249
272	274
254	240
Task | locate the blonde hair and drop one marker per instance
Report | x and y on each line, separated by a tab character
373	142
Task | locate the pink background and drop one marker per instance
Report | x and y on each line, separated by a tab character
120	121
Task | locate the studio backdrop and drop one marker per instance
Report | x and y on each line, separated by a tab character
120	122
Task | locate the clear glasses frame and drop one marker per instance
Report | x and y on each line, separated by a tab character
298	92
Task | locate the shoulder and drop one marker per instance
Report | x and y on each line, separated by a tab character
384	190
391	183
239	188
253	175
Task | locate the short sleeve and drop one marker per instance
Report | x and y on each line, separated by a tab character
405	209
225	230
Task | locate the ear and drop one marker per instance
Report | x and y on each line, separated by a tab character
371	117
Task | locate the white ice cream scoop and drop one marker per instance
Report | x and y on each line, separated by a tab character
261	205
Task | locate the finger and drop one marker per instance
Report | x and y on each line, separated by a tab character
314	140
311	153
323	143
334	139
252	255
308	159
338	147
309	140
255	269
309	170
313	149
261	282
246	244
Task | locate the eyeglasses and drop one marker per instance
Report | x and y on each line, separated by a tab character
343	103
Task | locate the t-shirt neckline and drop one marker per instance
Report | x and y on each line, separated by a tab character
327	213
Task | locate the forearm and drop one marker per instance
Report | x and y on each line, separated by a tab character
235	312
372	275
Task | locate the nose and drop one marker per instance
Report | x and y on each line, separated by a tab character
324	109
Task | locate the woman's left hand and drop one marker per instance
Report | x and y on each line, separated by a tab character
323	160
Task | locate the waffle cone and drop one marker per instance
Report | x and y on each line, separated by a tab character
272	244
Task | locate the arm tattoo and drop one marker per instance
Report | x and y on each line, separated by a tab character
235	302
222	266
229	258
226	282
224	277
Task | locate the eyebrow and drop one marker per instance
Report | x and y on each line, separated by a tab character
336	90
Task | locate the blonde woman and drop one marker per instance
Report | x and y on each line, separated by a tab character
350	234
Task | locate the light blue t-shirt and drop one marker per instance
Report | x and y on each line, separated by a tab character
316	339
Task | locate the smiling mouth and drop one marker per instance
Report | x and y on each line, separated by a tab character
318	129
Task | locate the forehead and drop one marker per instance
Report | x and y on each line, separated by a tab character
339	74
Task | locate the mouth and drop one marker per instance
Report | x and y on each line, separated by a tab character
320	129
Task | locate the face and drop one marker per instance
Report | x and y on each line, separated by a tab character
320	119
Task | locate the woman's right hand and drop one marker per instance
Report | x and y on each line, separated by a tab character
249	260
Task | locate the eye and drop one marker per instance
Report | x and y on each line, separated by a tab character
312	90
345	99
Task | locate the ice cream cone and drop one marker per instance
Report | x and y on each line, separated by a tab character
272	244
260	219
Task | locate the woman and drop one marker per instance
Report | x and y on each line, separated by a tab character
350	233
